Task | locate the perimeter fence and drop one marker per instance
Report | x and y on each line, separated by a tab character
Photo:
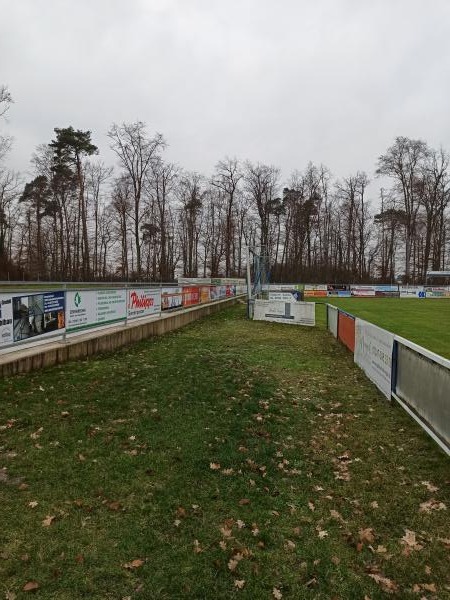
31	315
418	379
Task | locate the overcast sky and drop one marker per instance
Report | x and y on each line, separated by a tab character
280	81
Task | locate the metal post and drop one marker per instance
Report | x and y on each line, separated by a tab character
249	284
126	305
64	340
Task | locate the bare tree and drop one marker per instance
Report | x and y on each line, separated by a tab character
136	152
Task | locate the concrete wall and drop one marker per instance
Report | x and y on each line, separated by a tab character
106	340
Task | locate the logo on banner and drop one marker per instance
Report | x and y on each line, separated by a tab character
77	299
141	301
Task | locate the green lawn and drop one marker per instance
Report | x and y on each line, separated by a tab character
230	459
424	321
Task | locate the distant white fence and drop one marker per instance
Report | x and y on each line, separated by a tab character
350	290
419	380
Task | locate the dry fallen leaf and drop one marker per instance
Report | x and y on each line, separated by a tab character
386	584
322	533
33	504
432	505
240	524
214	466
277	594
79	559
430	487
48	520
290	545
223	545
177	522
424	587
197	548
31	586
366	535
244	501
311	506
114	505
134	564
374	504
409	540
10	595
232	564
239	583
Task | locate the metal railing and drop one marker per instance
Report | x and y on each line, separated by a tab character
418	379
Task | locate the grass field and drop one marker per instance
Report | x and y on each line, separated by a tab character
231	459
426	322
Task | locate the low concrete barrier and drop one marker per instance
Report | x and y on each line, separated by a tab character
104	340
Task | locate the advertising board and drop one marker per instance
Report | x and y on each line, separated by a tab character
171	298
412	291
364	291
295	313
373	353
338	290
332	315
346	330
30	315
205	295
315	290
86	308
191	296
436	292
6	319
143	302
293	296
387	291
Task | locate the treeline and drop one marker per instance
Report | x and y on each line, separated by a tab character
148	219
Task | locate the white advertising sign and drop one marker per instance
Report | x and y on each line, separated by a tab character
6	319
143	303
91	308
373	353
316	286
412	291
362	290
295	313
332	313
285	296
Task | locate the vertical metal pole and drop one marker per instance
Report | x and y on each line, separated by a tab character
64	340
126	304
249	283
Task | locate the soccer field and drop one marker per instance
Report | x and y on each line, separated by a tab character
424	321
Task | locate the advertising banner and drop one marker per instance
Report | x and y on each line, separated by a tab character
338	290
364	291
86	308
35	315
191	296
143	302
436	292
373	353
293	296
204	294
298	313
412	291
230	291
346	330
332	315
171	298
6	319
387	291
315	290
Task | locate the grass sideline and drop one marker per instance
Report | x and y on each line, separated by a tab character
423	321
230	459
